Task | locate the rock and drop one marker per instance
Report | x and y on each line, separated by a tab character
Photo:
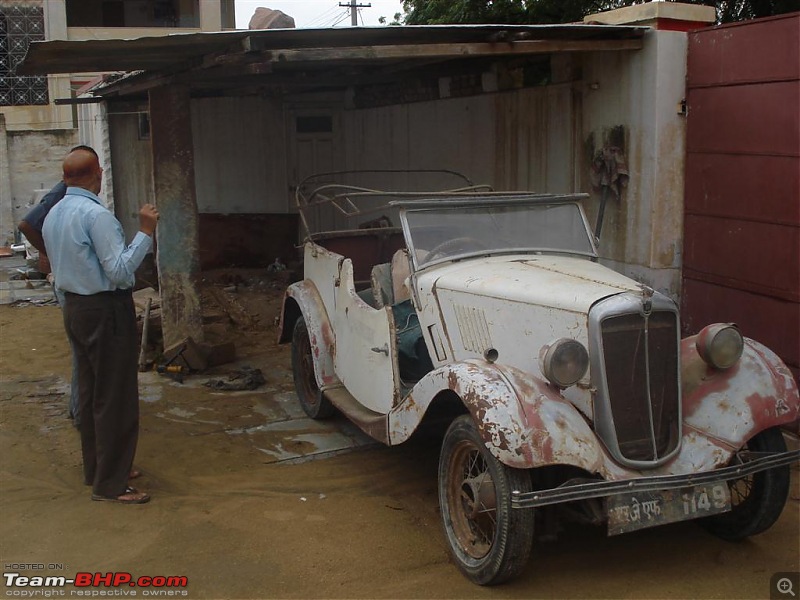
266	18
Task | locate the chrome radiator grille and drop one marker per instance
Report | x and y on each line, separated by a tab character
634	350
642	382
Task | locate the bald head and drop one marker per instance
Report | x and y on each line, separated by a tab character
82	169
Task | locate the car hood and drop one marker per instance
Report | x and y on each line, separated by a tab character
559	282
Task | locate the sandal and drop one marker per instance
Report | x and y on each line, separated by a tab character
134	474
129	496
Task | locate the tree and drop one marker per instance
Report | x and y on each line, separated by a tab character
440	12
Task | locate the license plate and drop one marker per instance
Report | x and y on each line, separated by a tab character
637	510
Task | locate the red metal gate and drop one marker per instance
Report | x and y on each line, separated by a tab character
741	259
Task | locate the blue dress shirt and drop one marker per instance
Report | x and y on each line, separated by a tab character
86	246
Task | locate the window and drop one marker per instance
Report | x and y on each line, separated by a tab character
20	24
317	124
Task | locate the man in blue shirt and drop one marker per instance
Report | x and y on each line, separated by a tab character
31	227
95	270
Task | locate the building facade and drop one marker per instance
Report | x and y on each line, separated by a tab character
35	132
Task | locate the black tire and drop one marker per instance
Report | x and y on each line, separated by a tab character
490	544
314	403
758	499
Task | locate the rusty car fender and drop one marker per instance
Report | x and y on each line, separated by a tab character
524	422
302	298
735	404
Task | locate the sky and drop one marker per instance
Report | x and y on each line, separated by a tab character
320	13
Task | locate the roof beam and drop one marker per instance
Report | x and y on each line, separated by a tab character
406	51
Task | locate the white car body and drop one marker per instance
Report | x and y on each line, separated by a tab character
488	315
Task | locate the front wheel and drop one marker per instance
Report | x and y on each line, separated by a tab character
757	500
489	541
313	402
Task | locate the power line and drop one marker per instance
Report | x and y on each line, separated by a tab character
323	17
353	5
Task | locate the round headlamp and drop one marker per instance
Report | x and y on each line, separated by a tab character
564	362
720	345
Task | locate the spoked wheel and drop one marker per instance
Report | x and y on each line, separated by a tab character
311	398
490	541
757	500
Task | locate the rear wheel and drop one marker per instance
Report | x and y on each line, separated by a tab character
757	500
311	398
490	541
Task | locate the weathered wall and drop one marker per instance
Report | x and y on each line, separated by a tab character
34	161
642	92
510	140
94	134
240	155
6	214
132	168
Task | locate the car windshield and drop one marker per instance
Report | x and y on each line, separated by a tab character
451	230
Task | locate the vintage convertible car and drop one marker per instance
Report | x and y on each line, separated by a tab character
568	389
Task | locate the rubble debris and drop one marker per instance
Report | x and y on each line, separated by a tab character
31	302
276	266
235	311
245	378
187	353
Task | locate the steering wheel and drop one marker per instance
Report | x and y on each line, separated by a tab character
449	245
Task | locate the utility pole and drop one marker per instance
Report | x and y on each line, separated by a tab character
353	5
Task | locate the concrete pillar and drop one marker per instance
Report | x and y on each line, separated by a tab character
177	234
55	20
633	100
7	224
210	15
666	16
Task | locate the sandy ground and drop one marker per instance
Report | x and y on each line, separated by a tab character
240	510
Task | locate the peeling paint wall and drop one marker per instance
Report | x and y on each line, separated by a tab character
642	92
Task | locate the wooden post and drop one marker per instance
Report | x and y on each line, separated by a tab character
177	234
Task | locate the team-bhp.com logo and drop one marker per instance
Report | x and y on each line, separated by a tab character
94	585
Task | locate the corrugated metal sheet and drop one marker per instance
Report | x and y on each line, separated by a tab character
516	140
742	216
240	154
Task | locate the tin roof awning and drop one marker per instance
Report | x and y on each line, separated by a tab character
284	54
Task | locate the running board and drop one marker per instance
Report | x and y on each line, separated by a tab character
374	424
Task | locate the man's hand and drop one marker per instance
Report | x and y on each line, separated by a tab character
44	263
148	219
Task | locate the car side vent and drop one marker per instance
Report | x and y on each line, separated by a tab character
473	328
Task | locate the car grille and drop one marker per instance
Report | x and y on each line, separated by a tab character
641	372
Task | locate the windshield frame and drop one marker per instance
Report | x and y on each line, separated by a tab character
454	203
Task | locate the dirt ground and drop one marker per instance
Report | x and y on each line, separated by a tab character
241	511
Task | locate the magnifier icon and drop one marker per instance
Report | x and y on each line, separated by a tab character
784	586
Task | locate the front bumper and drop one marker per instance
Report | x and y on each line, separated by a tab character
583	489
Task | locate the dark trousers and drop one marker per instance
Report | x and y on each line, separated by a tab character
102	329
